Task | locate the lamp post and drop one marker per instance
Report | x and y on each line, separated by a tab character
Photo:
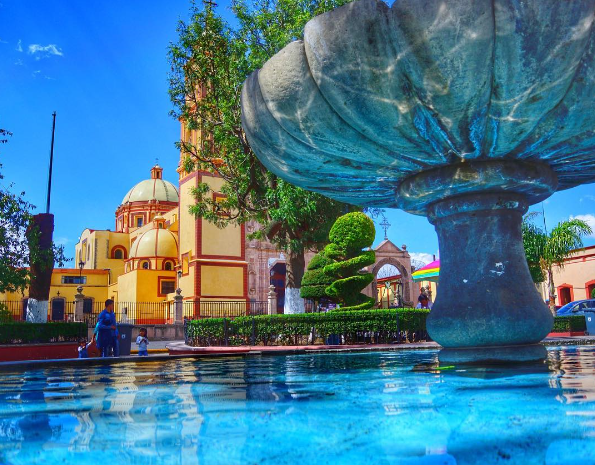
387	287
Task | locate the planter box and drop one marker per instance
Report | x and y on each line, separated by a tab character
56	350
567	334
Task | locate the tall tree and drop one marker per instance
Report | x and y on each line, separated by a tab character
209	63
544	250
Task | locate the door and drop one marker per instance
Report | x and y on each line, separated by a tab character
57	309
564	293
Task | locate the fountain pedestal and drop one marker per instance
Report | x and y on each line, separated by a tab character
486	295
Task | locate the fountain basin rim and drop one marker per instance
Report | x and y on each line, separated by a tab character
533	182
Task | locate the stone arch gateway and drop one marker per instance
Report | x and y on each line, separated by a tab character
388	253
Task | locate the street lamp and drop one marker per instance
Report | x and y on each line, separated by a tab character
387	286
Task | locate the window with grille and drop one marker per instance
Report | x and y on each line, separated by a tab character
167	287
74	280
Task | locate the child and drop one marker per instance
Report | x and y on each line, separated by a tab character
83	346
142	342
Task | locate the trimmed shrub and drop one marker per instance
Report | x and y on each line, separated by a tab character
295	329
572	323
41	333
315	280
349	235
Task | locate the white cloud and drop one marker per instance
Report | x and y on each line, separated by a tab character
44	51
19	46
35	73
422	257
61	241
589	219
3	41
19	62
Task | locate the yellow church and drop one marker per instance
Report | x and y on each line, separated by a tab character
156	248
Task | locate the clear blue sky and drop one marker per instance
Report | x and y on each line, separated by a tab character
102	66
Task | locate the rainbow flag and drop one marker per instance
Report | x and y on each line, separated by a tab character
430	272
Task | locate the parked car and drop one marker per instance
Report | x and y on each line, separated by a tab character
577	307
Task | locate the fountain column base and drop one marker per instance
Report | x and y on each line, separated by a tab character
483	356
486	296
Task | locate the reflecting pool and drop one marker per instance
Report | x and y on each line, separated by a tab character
385	407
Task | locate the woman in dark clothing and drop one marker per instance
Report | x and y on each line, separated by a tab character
106	328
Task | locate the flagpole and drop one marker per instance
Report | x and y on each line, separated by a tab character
47	208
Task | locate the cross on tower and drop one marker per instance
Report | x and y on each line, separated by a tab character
156	161
385	225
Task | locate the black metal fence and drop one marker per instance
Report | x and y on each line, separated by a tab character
194	310
58	310
137	313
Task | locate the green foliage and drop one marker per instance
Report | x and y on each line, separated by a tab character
545	250
575	323
292	329
349	234
593	293
39	333
316	280
5	314
352	232
209	63
19	241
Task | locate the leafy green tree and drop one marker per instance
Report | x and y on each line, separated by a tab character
19	239
209	64
348	236
544	250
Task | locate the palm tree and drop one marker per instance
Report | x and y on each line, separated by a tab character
544	250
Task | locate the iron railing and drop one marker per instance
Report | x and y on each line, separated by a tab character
140	313
58	310
195	309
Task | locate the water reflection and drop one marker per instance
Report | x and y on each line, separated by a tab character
394	407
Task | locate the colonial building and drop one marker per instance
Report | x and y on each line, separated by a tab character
576	279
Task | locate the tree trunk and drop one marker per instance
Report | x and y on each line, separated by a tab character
552	303
295	265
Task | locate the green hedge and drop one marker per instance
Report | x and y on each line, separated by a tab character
563	324
295	329
39	333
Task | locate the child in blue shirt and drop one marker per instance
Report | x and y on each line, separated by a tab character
83	348
142	343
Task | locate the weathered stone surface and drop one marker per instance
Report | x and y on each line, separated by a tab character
526	354
486	296
375	94
464	111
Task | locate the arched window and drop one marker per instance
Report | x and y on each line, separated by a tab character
146	266
119	253
168	266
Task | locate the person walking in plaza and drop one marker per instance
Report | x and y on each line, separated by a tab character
106	328
142	343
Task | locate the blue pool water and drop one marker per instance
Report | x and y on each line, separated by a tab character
377	408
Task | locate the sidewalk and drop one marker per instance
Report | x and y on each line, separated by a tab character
155	347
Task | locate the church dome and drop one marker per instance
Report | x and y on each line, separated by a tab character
156	242
153	189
